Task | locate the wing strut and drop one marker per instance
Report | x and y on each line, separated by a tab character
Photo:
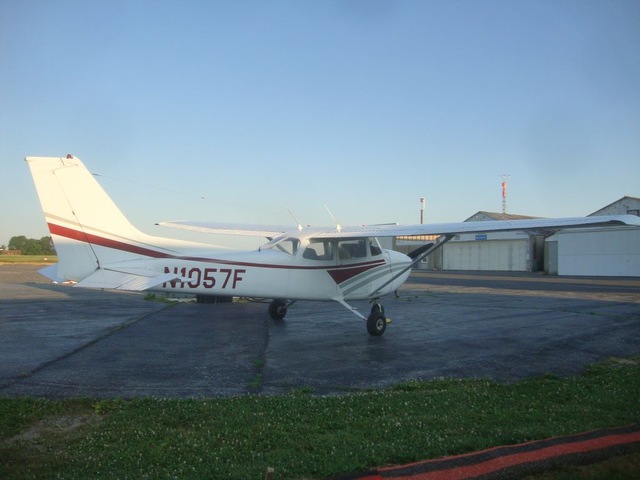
435	246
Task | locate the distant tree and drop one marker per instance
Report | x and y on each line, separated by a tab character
47	246
31	246
18	243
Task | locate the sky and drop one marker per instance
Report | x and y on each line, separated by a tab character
238	111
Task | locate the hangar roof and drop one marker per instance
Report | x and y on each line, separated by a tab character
625	205
482	216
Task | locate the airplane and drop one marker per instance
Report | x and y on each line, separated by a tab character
99	248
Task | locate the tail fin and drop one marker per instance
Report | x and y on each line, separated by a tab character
87	228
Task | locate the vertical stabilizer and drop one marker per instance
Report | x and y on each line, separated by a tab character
87	228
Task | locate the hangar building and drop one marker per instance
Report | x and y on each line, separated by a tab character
492	251
611	251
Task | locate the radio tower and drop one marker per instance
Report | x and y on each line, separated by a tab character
504	192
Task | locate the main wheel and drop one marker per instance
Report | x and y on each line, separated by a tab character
376	324
277	309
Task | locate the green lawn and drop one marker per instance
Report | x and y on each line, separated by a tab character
303	436
28	259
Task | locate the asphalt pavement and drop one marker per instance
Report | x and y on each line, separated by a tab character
58	341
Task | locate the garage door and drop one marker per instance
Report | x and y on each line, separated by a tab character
502	255
607	252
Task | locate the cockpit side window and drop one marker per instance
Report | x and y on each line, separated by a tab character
319	250
352	249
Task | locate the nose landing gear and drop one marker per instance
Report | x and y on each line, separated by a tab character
377	321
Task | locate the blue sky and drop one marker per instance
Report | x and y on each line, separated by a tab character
236	110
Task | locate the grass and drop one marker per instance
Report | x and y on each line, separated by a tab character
28	259
304	436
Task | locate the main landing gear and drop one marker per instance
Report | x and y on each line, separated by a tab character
278	309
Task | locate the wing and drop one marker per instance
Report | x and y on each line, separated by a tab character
538	224
546	225
250	230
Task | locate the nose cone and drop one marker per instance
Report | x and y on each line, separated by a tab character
398	258
399	262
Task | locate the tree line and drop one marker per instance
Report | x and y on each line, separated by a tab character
32	246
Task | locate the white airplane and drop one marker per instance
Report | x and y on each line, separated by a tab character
98	248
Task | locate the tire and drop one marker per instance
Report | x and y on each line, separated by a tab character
376	324
277	309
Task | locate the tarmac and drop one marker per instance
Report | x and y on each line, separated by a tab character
57	341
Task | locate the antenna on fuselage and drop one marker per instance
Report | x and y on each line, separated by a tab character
338	227
295	219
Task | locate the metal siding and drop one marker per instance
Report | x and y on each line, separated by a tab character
492	255
603	253
551	257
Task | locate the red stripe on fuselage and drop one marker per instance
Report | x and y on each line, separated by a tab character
345	273
105	242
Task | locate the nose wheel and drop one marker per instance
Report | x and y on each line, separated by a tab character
377	321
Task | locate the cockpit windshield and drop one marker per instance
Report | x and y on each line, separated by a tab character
376	249
288	245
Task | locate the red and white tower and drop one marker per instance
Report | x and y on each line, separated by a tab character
504	192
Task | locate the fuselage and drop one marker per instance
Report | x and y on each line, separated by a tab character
291	267
285	270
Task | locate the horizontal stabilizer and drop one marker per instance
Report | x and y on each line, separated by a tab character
51	272
132	279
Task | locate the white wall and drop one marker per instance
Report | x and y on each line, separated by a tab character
599	252
498	255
